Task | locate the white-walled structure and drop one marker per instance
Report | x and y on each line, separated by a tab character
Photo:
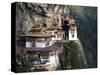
56	32
28	44
41	44
73	33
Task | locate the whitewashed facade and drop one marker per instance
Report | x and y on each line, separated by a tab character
40	44
28	44
73	34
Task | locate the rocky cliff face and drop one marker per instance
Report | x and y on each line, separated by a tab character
30	15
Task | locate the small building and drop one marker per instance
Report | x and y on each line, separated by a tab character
72	29
56	32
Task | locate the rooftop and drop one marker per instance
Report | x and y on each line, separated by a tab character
37	35
52	28
45	49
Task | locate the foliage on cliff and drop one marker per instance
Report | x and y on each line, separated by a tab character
72	56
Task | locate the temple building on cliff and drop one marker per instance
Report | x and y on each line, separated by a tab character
39	44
